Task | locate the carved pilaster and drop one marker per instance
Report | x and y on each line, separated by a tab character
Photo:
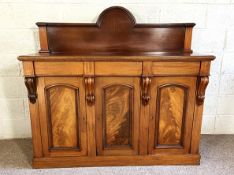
146	81
30	83
202	84
89	85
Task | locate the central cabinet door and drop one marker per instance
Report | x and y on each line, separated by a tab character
62	116
117	115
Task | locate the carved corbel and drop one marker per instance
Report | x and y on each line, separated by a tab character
30	83
146	81
89	85
202	84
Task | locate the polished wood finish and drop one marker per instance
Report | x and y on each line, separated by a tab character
90	112
145	97
172	109
113	68
30	83
28	68
43	40
117	126
117	115
36	130
203	82
62	114
116	30
63	121
188	39
58	68
115	93
120	57
89	84
175	68
172	100
166	159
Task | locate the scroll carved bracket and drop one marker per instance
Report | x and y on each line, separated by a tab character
202	84
30	83
89	85
146	81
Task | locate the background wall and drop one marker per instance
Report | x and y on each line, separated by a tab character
213	34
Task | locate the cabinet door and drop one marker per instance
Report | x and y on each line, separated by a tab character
171	108
62	116
117	115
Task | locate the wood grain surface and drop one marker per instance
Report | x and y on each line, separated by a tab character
62	116
116	30
117	109
171	106
171	114
117	115
62	101
85	87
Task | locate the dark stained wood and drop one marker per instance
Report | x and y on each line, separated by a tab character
115	93
30	83
115	31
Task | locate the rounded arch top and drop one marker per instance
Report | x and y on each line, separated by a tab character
116	16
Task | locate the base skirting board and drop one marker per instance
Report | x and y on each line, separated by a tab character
56	162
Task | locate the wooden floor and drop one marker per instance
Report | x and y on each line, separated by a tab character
217	153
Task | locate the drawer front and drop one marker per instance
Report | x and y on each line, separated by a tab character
175	68
58	68
118	68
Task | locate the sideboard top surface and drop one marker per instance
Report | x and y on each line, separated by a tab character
117	57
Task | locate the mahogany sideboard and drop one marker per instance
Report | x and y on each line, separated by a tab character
115	93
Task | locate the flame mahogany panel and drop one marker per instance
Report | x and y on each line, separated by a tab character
172	111
62	103
172	101
115	31
117	115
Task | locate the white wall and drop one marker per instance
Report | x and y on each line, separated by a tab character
214	34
